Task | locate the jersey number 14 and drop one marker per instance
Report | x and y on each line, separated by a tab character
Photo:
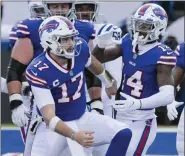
135	83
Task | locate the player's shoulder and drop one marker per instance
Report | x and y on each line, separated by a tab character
164	50
180	49
82	47
166	55
84	23
37	70
126	38
30	23
82	44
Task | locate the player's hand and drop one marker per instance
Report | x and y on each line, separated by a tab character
110	37
19	115
112	90
84	138
97	107
35	122
127	105
172	112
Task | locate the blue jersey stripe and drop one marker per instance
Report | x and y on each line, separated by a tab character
101	29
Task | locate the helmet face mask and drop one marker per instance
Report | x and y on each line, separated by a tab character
148	24
58	8
85	10
66	46
58	35
38	10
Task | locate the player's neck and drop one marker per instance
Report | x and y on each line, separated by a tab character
59	60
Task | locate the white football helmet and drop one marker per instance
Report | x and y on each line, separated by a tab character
37	9
54	32
148	23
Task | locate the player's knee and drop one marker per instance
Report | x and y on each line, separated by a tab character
125	134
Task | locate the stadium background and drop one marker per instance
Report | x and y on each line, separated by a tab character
14	11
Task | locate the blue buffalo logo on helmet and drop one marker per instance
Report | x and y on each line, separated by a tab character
160	13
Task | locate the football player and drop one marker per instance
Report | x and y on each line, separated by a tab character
147	80
57	82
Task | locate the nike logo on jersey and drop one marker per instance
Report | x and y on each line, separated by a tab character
34	73
170	52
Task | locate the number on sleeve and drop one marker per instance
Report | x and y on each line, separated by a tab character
38	65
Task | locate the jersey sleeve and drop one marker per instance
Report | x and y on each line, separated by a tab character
35	78
85	52
180	56
92	31
167	56
13	36
23	30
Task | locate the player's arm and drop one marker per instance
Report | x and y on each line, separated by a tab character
178	74
165	95
94	90
108	47
107	54
22	54
93	84
178	71
46	106
97	69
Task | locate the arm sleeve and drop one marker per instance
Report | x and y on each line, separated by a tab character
42	96
13	36
164	97
23	29
35	79
167	57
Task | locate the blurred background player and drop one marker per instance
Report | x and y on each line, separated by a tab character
147	81
178	75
